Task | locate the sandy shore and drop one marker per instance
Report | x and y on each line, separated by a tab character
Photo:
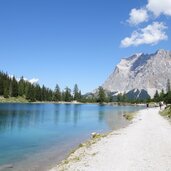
144	145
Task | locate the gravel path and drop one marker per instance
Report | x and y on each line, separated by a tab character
145	145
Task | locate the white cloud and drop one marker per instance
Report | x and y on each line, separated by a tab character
152	34
11	76
33	80
158	7
137	16
25	79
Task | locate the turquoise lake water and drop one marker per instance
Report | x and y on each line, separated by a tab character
37	136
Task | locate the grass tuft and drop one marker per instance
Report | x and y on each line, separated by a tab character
13	100
129	116
166	112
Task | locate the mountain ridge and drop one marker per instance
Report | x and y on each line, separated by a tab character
140	71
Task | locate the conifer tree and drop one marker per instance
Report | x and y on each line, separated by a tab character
67	95
156	96
6	89
1	86
161	96
14	87
43	93
76	92
119	97
101	95
167	97
57	93
21	87
79	95
38	92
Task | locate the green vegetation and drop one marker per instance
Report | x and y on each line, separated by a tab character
57	94
77	154
21	90
66	95
165	97
122	97
18	99
101	95
166	112
76	93
98	136
129	116
13	90
158	97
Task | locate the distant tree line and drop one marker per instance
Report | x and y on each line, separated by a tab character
11	87
123	98
163	96
67	94
107	97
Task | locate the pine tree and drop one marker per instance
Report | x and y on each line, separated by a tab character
6	89
79	96
21	87
110	98
76	92
32	93
10	87
14	87
57	93
156	96
43	93
119	97
167	98
161	96
28	94
38	92
124	98
101	95
1	86
67	95
63	96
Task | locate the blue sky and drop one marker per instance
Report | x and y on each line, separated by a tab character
78	41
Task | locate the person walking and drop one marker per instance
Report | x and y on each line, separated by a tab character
160	104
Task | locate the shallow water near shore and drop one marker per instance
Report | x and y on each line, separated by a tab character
37	136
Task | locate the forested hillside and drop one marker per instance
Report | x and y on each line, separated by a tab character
12	87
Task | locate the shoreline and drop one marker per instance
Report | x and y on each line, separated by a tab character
57	156
129	148
94	138
21	100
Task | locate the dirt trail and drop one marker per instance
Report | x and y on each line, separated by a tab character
145	145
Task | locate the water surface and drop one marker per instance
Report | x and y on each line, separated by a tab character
37	136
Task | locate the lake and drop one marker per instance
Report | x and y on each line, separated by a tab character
37	136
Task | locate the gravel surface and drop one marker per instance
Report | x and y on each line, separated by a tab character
145	145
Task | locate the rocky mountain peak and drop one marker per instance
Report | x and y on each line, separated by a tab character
148	72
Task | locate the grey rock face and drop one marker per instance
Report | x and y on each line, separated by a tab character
141	71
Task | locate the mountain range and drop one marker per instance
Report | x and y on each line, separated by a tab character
140	75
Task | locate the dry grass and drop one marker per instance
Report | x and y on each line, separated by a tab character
129	116
13	100
166	112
